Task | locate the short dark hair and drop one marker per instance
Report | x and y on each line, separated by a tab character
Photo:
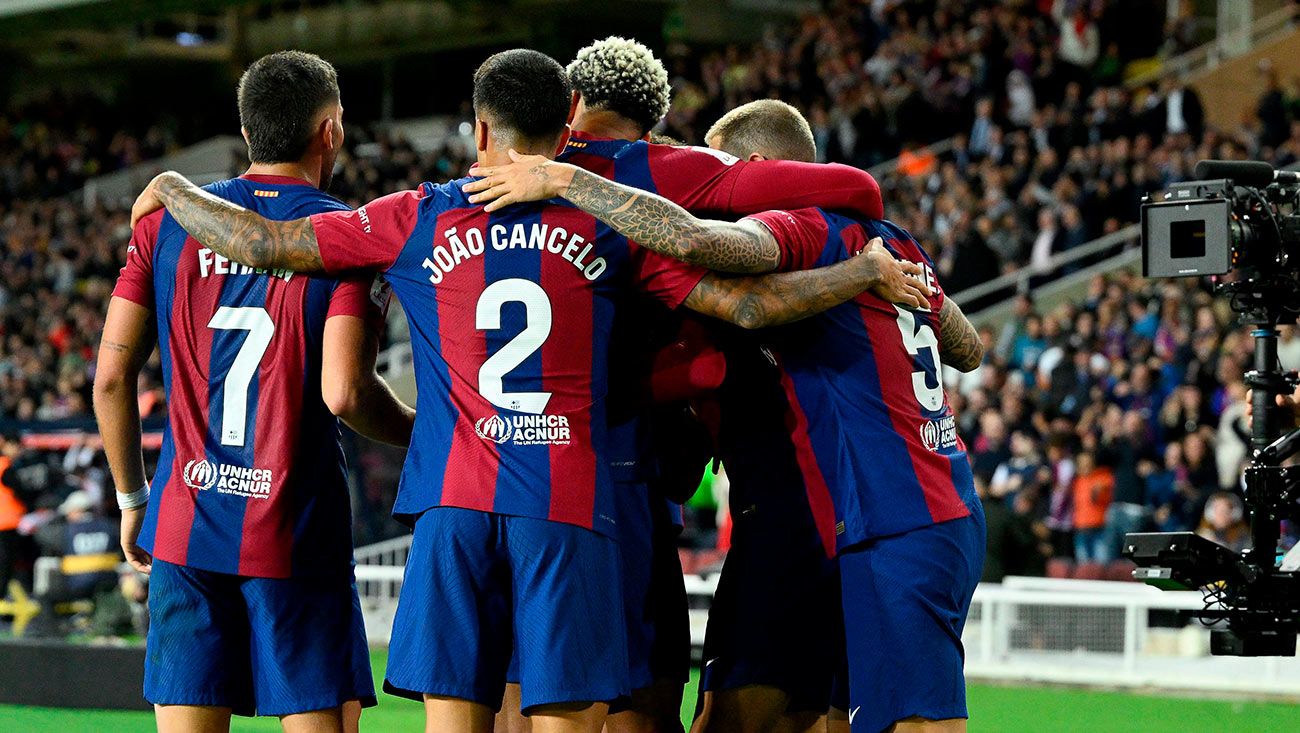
523	92
624	77
768	127
280	96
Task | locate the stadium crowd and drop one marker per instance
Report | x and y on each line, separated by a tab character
1119	413
1087	421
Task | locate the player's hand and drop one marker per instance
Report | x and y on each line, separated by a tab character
147	202
132	519
528	178
897	281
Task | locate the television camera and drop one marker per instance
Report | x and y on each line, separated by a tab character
1242	221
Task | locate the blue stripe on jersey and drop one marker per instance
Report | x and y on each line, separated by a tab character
319	428
632	167
524	264
421	482
604	306
219	536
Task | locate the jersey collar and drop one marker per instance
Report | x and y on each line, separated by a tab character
275	180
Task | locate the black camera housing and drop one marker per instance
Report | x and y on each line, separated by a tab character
1217	227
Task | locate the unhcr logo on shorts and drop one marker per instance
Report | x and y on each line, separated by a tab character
493	428
200	474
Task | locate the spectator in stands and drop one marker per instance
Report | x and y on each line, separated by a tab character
1224	522
87	545
1029	345
1060	504
989	449
981	130
1271	110
1180	109
1125	451
1080	40
1169	496
1048	241
12	510
1092	488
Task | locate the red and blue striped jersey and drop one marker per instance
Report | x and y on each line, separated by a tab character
706	181
871	429
511	315
703	181
251	478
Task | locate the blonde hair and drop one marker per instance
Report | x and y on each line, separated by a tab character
768	127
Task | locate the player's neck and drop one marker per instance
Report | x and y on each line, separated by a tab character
286	170
500	154
606	124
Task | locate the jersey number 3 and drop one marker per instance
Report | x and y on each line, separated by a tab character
537	327
234	403
918	337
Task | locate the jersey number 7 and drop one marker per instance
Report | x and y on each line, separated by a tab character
234	404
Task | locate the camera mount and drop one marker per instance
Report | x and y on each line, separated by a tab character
1214	227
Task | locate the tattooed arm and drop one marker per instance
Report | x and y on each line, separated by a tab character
651	221
771	300
231	230
959	342
126	343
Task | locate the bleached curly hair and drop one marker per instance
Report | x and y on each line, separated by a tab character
622	76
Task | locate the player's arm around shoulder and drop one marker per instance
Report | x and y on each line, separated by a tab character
651	221
779	298
959	342
231	230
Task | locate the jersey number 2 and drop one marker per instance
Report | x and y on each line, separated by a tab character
234	404
918	336
537	327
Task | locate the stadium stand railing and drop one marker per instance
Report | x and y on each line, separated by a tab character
202	162
1238	32
1048	630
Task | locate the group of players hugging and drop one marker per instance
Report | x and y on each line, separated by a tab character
561	394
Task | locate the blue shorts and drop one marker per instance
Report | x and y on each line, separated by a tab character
775	619
259	646
480	585
654	592
905	603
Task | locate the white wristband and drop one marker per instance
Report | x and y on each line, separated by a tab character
133	500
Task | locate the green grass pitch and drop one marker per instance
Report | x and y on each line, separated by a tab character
996	709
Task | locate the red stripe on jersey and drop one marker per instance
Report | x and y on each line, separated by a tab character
894	366
565	355
267	539
190	345
819	494
469	481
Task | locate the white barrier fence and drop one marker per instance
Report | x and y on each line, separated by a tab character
1044	630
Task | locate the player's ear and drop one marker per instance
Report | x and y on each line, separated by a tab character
480	135
244	131
756	156
573	106
327	134
564	140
